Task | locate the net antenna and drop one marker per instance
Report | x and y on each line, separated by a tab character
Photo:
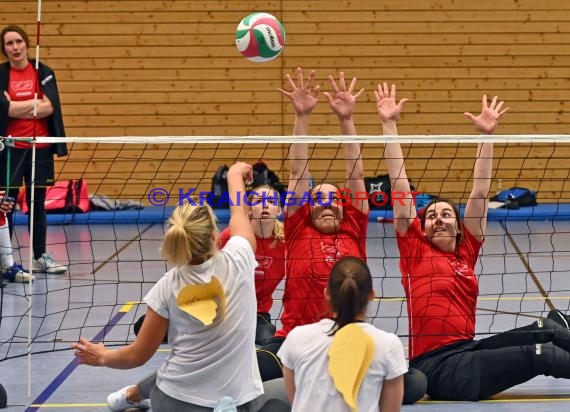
33	189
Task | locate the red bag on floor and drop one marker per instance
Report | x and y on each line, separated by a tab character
66	196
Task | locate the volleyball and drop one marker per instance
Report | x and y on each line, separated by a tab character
260	37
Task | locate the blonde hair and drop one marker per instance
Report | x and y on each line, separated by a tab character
189	234
278	233
278	228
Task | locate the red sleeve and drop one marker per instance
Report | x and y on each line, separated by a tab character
295	222
224	237
356	221
411	245
470	248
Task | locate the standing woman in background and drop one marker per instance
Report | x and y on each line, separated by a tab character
19	83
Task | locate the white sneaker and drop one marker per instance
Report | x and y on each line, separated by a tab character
46	264
117	401
16	273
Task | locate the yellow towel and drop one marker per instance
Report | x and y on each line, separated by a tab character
205	302
350	356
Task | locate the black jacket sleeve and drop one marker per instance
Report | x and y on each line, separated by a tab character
48	85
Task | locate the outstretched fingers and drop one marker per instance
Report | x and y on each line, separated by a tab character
299	77
333	84
379	92
497	105
352	84
311	78
505	110
385	90
498	108
402	102
357	95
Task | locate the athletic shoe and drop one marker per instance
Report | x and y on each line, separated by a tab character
117	401
16	273
559	318
46	264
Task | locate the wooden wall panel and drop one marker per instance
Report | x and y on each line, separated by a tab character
170	67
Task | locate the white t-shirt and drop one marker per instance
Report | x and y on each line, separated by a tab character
305	351
209	362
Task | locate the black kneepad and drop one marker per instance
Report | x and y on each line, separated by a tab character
269	365
3	397
265	329
415	386
138	325
264	333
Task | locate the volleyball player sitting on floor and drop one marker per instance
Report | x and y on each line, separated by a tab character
264	207
323	361
438	253
270	256
263	210
318	229
213	342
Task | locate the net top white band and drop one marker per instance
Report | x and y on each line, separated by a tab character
431	139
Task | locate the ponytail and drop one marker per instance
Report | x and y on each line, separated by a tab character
349	288
188	239
347	310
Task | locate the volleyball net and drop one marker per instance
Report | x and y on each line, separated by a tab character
114	257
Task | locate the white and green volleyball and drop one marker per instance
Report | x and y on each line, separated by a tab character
260	37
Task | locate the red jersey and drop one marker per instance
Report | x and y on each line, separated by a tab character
22	86
441	290
310	258
270	268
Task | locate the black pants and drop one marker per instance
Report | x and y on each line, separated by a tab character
476	370
40	218
265	329
20	161
270	368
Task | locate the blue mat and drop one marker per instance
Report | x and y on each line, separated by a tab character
548	211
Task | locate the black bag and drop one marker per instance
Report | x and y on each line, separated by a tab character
220	188
516	197
262	175
379	191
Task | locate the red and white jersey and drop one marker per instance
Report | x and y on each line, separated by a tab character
270	256
22	86
441	290
310	258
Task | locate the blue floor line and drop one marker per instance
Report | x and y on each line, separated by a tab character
67	371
